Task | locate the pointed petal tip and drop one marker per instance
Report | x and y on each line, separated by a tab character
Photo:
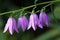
41	26
34	29
3	31
28	28
17	30
11	34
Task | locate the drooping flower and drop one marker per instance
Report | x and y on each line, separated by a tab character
11	25
22	22
43	20
33	21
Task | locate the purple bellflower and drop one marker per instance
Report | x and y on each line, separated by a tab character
22	22
33	21
43	19
11	25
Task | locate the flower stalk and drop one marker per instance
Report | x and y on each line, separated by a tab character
28	7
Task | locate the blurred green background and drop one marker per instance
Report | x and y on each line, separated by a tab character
47	33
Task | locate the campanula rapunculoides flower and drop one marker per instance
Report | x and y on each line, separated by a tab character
43	19
33	21
11	25
22	22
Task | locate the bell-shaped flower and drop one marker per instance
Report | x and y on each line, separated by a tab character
11	25
43	20
33	21
22	22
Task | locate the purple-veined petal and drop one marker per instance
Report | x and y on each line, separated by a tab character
33	21
14	25
11	27
7	25
45	17
47	21
41	22
23	26
23	22
19	22
29	25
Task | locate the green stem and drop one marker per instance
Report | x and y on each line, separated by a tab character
28	7
21	13
33	10
37	11
43	8
41	4
47	5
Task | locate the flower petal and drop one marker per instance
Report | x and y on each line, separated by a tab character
29	25
33	24
23	26
25	20
41	23
14	25
45	17
19	22
7	25
33	21
11	27
24	23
